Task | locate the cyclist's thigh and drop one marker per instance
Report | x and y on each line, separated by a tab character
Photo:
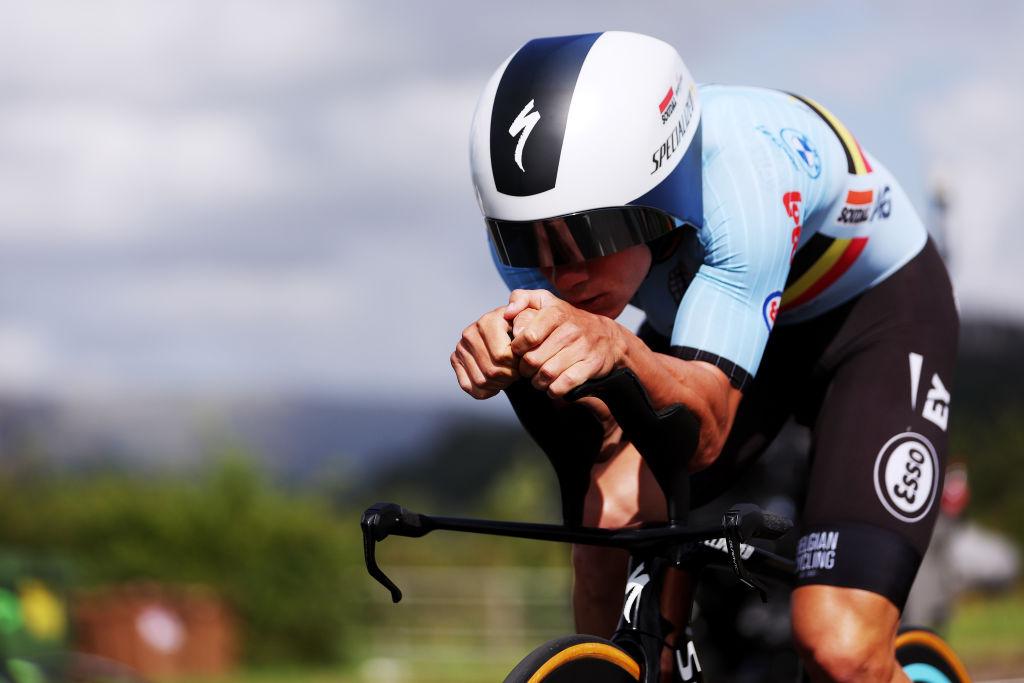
880	438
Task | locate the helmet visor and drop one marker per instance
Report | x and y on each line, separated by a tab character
576	237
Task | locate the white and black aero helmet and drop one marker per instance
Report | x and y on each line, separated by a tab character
585	145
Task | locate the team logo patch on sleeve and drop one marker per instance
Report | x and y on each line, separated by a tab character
770	309
906	476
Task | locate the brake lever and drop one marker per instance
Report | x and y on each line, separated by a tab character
382	520
732	525
376	524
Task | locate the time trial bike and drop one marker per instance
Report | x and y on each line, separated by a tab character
635	651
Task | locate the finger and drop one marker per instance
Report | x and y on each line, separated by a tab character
471	378
495	331
522	320
564	346
467	360
521	299
549	371
538	327
463	376
491	348
575	375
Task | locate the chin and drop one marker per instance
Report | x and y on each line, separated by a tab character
610	310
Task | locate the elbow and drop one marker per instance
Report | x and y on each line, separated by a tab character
706	454
714	431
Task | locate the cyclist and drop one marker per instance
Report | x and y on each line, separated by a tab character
783	273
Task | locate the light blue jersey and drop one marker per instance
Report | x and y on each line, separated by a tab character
797	220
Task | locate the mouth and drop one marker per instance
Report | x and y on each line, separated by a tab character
589	303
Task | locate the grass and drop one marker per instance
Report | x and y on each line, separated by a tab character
987	632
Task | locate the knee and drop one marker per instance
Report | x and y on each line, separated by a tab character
842	659
839	642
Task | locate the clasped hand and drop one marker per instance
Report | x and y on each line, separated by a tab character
540	337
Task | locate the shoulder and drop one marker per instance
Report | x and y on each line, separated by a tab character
741	105
758	141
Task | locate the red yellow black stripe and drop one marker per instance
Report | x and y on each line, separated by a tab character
856	162
828	259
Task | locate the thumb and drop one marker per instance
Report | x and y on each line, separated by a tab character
521	299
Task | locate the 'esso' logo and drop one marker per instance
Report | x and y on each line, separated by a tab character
906	476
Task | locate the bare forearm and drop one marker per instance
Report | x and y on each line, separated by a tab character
703	388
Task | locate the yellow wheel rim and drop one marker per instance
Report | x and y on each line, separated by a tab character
929	639
591	651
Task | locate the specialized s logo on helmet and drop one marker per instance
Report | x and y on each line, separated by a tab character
524	124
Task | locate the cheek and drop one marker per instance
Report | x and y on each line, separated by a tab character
636	267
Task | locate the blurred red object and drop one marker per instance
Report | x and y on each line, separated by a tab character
955	491
157	629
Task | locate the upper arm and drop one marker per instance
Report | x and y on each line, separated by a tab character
727	313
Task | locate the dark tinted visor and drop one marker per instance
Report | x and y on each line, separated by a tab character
576	237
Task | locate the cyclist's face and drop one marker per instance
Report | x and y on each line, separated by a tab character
602	285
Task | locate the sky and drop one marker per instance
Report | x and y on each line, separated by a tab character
273	198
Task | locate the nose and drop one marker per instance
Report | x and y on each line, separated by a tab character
569	275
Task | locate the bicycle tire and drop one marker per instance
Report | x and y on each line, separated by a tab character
927	658
571	659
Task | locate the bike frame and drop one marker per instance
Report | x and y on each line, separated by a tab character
653	550
666	439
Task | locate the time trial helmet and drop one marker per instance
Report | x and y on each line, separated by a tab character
585	145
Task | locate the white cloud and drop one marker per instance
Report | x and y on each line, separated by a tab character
163	50
192	300
109	172
407	136
120	113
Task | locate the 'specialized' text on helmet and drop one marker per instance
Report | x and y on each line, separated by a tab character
585	145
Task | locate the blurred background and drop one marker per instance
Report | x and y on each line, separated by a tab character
238	242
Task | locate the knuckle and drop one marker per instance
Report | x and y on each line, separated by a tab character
547	375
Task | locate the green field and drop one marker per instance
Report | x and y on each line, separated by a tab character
988	632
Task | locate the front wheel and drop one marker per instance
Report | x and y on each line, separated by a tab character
926	658
570	659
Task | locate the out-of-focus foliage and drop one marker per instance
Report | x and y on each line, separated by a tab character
489	470
279	559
